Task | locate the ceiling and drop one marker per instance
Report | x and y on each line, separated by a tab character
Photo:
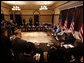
37	4
30	4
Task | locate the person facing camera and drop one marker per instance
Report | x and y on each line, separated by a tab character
58	29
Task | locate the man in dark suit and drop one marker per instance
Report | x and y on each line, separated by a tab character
28	53
12	27
54	28
58	29
18	45
8	27
5	46
52	54
30	20
40	51
24	22
56	55
76	52
67	37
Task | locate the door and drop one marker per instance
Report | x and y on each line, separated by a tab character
53	19
11	16
36	20
2	16
18	19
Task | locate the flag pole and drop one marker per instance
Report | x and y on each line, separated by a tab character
65	24
73	18
67	14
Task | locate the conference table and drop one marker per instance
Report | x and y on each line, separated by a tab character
33	28
44	46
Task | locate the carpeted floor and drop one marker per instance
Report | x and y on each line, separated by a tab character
39	37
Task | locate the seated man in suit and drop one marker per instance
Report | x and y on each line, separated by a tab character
54	28
52	54
79	48
68	37
58	29
28	53
56	54
51	28
38	50
76	52
18	45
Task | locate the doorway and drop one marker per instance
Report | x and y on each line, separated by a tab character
11	16
2	17
36	20
18	19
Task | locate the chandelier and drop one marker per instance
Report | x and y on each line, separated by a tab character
16	8
44	7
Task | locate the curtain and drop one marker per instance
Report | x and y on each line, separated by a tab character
78	19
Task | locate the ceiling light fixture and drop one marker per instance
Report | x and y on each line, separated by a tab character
43	7
16	8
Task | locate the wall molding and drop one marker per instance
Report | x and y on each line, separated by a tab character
5	7
33	9
56	14
32	14
61	4
26	15
71	5
46	15
6	15
38	14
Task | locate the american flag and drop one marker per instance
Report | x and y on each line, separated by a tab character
65	25
80	34
66	21
60	22
72	25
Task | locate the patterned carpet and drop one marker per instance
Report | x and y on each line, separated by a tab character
39	37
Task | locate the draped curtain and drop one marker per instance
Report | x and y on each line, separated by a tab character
78	19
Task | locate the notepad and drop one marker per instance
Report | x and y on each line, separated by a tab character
66	45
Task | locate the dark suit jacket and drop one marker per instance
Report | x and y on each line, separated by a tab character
69	38
5	46
18	44
39	50
78	52
26	59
